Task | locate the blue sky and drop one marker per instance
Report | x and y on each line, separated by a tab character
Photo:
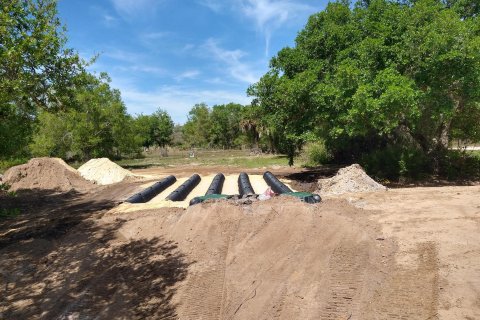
176	53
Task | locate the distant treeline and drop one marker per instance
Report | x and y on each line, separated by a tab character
52	106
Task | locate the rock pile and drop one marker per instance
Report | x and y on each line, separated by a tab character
349	180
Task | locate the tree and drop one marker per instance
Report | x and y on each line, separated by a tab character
162	128
225	125
197	129
36	70
251	125
98	125
154	129
144	127
380	73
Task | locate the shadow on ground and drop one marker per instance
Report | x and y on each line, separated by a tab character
59	262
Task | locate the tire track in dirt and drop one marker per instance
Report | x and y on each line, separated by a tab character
410	293
204	297
347	268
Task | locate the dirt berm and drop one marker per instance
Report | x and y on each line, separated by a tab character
275	259
46	174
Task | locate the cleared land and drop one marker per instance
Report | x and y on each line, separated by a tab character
400	254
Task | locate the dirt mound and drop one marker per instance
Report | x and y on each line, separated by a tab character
45	174
349	180
274	259
103	171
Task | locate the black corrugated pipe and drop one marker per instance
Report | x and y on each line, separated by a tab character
244	185
276	185
182	192
217	185
152	191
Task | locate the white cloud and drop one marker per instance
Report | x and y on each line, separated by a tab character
143	69
155	35
109	20
189	74
270	15
129	62
232	60
122	55
131	8
214	5
176	100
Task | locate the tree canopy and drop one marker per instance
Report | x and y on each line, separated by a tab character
377	73
37	71
97	126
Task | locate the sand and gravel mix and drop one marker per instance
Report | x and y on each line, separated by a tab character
46	174
103	171
351	179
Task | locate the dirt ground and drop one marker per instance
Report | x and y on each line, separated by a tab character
400	254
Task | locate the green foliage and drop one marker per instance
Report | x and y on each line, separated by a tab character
404	74
12	194
36	70
316	153
162	128
225	125
4	187
98	126
196	130
393	162
7	163
177	136
460	165
9	213
156	129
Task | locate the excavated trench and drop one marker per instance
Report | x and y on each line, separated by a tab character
197	189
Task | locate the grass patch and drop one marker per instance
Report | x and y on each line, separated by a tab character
238	158
5	164
474	154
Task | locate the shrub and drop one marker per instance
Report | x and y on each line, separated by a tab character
460	165
394	162
7	163
316	153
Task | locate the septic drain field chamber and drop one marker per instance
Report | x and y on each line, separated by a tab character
152	191
214	191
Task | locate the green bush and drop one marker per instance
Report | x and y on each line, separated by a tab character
460	165
394	162
316	154
7	163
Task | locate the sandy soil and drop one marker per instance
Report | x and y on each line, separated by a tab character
399	254
447	221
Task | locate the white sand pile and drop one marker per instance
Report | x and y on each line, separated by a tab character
46	174
349	180
103	171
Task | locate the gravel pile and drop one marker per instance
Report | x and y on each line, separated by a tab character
350	179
